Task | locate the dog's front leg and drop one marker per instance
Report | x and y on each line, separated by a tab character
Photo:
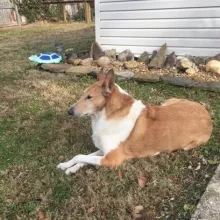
88	159
72	166
82	160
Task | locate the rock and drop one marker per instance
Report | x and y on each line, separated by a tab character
144	57
160	58
191	71
213	66
188	66
147	78
71	57
80	70
103	61
111	54
117	63
125	74
174	70
96	51
131	64
209	86
56	68
94	63
83	54
70	61
178	81
199	60
126	55
69	53
170	61
190	57
77	62
86	62
154	53
216	57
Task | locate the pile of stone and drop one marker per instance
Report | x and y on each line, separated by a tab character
158	60
183	71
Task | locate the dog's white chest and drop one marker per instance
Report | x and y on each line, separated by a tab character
108	134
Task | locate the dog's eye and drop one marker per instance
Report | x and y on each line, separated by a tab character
89	97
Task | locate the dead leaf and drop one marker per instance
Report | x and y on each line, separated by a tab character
136	216
195	154
91	210
18	217
61	158
212	95
198	167
141	181
120	174
188	207
138	209
41	215
213	162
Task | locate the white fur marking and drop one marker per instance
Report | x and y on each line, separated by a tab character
93	160
121	90
73	166
108	134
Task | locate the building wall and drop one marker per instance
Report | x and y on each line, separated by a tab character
187	26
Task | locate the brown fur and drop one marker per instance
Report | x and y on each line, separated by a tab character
181	124
177	124
118	105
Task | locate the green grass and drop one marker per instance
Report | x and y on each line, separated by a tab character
36	134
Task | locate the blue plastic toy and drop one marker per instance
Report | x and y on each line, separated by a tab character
46	57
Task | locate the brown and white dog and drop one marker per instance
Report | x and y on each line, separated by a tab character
125	128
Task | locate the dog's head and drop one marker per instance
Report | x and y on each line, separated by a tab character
94	97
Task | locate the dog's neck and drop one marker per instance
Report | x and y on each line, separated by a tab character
117	105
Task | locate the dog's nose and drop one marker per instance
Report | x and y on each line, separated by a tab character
71	111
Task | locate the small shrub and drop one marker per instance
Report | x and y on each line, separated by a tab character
35	10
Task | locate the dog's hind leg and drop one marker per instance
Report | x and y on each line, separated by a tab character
73	165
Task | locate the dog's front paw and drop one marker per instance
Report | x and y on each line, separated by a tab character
74	169
63	166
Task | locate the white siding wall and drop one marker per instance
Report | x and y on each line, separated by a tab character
187	26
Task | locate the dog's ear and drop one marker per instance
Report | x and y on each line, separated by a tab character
101	75
109	82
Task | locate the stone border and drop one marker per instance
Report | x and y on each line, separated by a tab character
180	81
209	205
152	78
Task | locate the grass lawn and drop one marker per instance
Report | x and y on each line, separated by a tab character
36	134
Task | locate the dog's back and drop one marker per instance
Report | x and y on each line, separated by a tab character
181	124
